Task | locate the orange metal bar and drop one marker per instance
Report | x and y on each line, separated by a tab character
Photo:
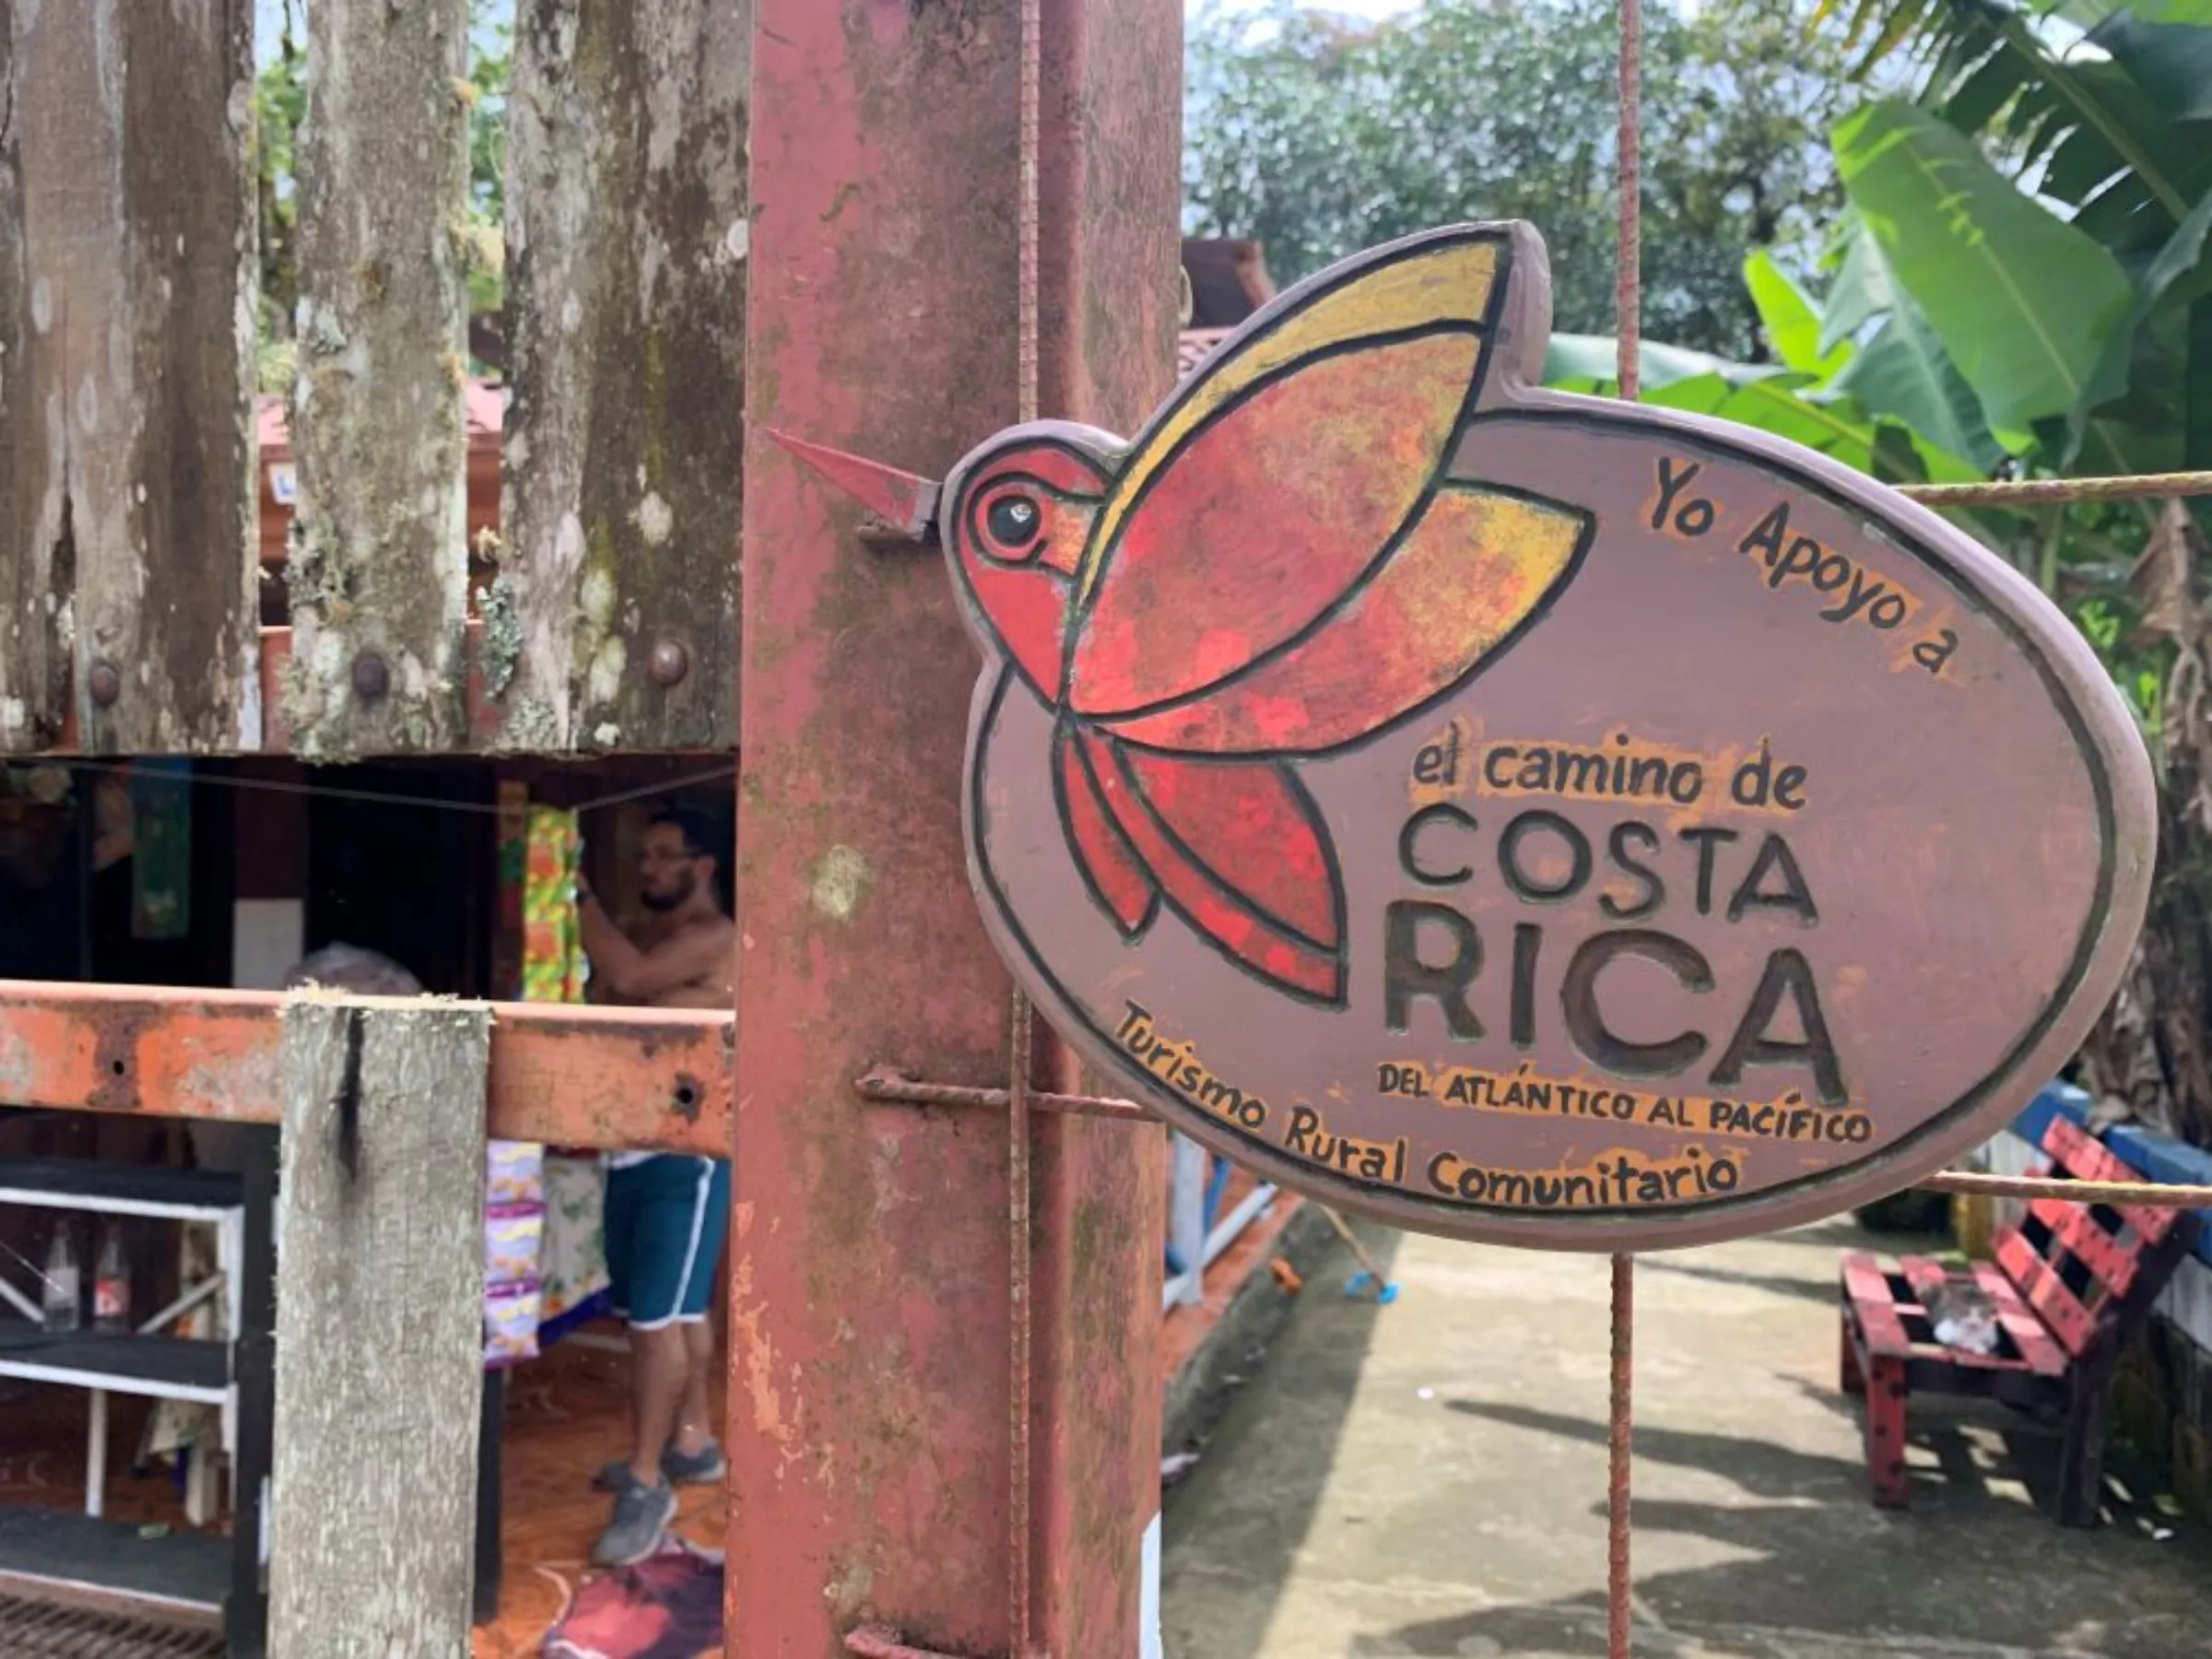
567	1076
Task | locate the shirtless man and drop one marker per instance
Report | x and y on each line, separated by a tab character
667	1216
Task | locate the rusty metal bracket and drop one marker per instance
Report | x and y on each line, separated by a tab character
889	1086
880	533
900	507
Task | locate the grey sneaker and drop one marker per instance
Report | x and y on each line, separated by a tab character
641	1516
616	1477
694	1469
698	1468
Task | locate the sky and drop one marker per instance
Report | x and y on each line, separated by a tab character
269	23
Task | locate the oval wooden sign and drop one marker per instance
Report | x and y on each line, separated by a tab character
1524	817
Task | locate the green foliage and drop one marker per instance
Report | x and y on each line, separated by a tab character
1903	369
2105	122
1578	362
279	105
491	65
2112	130
1792	324
2024	303
1319	135
2021	281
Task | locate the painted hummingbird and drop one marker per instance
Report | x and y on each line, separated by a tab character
1278	566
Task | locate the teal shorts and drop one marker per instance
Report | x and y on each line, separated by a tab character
667	1221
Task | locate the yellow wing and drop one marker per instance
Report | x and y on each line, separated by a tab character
1443	279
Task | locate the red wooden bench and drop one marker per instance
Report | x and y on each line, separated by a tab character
2070	1284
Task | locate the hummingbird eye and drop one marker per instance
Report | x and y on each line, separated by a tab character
1013	521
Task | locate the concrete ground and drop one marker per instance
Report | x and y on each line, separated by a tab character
1428	1478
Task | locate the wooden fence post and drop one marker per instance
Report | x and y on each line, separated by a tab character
127	261
377	576
380	1284
612	624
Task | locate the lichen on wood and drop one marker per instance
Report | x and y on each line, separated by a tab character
34	680
126	259
378	572
380	1298
626	236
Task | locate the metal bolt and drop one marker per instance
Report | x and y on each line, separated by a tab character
668	662
105	682
371	678
876	531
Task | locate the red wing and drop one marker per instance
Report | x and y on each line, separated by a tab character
1264	516
1116	876
1279	915
1468	572
1255	830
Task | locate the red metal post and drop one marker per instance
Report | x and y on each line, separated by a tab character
1886	1431
1110	203
1619	1432
870	1271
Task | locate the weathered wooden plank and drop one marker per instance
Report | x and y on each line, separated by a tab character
34	675
379	573
614	622
380	1286
126	263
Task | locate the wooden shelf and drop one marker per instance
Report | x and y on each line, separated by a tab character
171	1368
51	1552
79	1184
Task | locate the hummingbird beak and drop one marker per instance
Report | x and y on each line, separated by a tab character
905	504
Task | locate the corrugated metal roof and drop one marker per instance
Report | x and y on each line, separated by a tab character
487	411
1191	345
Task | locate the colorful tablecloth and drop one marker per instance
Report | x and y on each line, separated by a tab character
523	1238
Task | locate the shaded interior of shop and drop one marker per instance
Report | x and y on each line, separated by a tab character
224	875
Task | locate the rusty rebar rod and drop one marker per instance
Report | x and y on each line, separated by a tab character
1628	274
1029	222
1619	1435
2047	492
888	1085
1018	1402
1627	323
2150	1194
1359	1250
